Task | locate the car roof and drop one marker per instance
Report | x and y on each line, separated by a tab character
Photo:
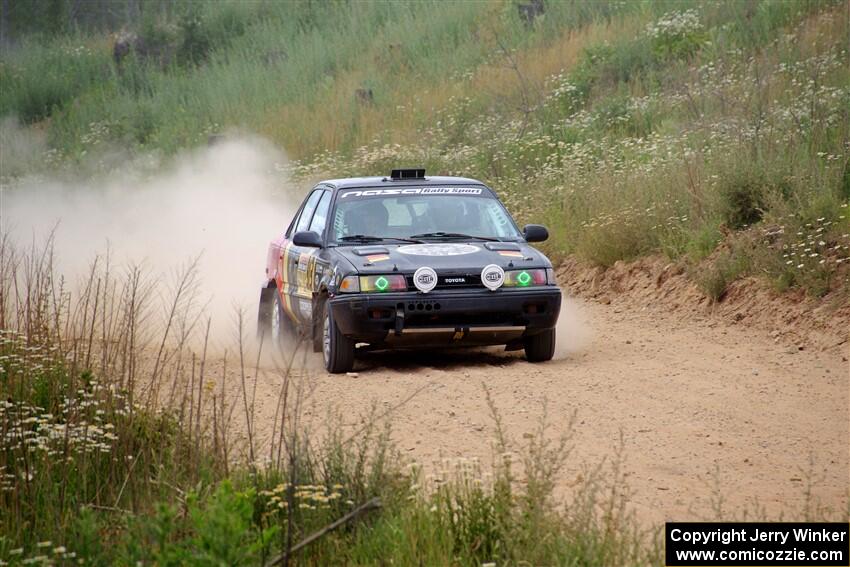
351	182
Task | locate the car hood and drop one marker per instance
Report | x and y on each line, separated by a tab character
443	257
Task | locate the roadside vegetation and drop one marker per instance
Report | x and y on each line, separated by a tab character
123	441
120	446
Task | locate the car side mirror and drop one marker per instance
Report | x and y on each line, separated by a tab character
307	238
535	233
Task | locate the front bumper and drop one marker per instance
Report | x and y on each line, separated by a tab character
446	317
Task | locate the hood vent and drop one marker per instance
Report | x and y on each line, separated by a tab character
496	246
370	250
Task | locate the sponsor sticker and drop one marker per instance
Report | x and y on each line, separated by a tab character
492	276
412	191
425	279
306	308
445	249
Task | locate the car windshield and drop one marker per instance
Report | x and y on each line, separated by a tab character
358	218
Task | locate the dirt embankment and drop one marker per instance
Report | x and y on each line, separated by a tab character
656	283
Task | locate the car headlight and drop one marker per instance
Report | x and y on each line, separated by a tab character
373	284
525	278
349	284
383	283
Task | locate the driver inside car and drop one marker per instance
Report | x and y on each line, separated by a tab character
370	219
449	216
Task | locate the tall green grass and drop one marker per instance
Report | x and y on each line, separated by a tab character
630	128
683	133
248	65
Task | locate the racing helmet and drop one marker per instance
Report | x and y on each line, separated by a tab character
370	217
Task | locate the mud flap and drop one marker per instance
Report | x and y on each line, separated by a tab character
515	345
317	323
264	313
399	321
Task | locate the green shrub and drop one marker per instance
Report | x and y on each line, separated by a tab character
607	65
806	244
41	79
677	34
703	241
157	41
196	42
622	115
742	197
844	184
217	529
606	245
714	278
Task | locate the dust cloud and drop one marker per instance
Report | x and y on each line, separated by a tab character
21	149
572	332
220	205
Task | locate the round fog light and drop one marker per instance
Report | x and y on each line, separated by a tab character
492	276
425	279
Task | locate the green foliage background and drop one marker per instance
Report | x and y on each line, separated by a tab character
630	128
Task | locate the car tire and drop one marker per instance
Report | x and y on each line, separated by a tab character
540	347
272	323
337	349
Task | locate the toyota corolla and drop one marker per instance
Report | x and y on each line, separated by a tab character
408	261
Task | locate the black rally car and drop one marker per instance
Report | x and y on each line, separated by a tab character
408	261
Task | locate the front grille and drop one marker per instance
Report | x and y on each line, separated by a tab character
452	281
437	319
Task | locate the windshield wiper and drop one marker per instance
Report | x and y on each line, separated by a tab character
368	238
442	234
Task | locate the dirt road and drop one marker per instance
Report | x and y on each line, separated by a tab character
699	403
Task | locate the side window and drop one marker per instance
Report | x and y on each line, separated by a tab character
320	218
307	211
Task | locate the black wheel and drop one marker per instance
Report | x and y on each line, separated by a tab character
540	347
272	324
337	349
